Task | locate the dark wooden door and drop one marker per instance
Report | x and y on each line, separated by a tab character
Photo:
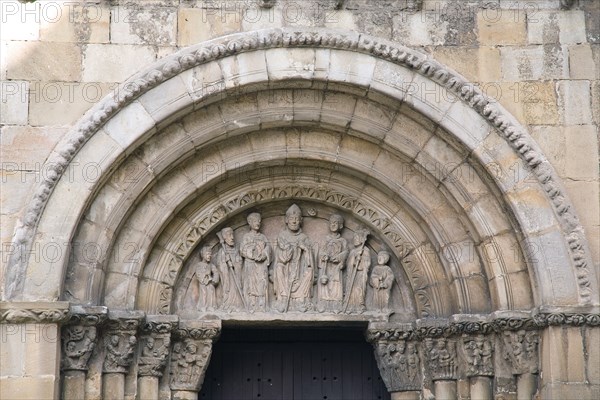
293	364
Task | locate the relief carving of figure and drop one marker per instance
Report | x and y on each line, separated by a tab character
153	357
208	278
441	357
332	260
188	364
293	270
256	252
382	279
359	262
478	353
229	263
78	343
413	365
119	355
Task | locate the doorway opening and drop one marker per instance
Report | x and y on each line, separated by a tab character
293	364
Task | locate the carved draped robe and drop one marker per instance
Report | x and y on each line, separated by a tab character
293	267
208	277
381	281
336	249
256	253
356	291
232	299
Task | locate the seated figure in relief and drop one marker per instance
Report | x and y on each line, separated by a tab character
256	252
382	279
208	278
332	260
293	271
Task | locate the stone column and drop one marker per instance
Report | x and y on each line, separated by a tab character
442	366
155	349
190	357
478	352
398	359
79	337
120	340
521	350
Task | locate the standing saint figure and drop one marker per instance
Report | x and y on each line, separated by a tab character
256	253
382	279
357	274
293	270
229	263
208	278
332	260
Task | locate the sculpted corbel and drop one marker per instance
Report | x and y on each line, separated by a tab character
79	337
120	340
156	344
191	353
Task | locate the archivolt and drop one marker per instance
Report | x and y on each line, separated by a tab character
344	62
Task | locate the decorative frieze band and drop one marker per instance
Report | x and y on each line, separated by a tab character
34	312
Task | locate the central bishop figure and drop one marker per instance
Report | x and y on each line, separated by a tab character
294	270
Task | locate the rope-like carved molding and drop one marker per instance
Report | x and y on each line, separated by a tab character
482	324
30	312
211	218
516	136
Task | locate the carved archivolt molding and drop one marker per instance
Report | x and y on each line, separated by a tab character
211	51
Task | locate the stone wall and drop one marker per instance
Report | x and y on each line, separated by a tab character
539	59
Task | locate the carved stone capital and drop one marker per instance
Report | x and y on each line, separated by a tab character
191	354
477	354
80	335
520	348
120	340
397	356
34	312
442	360
156	344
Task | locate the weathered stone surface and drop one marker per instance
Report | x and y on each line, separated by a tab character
78	23
574	102
14	109
501	27
114	63
132	24
37	61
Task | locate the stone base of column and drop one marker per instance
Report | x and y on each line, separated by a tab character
526	386
445	390
412	395
73	385
481	388
184	395
147	388
113	386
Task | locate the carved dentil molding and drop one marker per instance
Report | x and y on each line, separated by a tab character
516	136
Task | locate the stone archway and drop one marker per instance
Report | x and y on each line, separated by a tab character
429	174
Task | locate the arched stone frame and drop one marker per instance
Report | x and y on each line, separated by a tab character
141	108
379	72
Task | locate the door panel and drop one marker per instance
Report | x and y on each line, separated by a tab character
293	365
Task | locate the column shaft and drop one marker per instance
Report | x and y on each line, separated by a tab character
73	386
410	395
147	388
526	386
445	390
113	386
481	388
